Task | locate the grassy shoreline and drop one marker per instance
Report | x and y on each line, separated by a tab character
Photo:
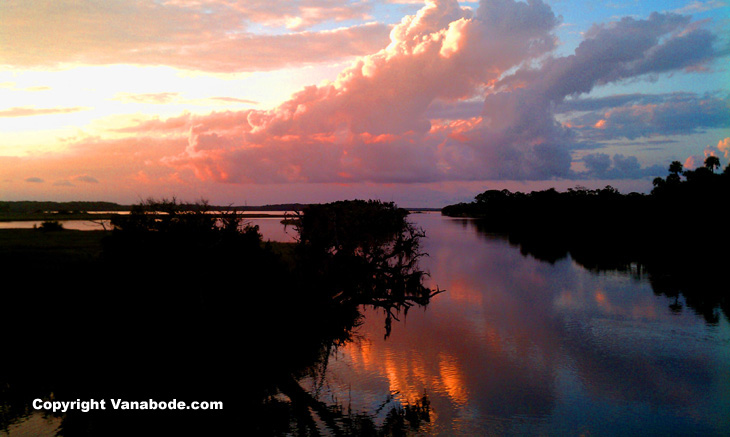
34	247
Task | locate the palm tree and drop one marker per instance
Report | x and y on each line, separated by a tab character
675	171
675	167
712	163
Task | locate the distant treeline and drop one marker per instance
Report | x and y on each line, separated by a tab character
40	206
274	207
15	210
675	234
679	225
31	207
683	199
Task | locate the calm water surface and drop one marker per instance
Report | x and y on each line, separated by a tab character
270	227
520	346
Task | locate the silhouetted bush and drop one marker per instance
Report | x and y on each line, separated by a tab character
51	225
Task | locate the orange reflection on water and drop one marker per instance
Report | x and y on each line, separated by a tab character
581	299
400	377
460	290
452	378
408	375
360	353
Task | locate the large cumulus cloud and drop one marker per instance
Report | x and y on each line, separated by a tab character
385	118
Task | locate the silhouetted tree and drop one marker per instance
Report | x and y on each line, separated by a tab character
659	185
712	163
675	168
363	252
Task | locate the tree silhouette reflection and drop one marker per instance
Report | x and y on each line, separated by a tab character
663	235
183	307
671	273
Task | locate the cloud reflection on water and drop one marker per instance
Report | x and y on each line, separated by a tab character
520	345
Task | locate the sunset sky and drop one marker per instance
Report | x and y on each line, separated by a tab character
421	103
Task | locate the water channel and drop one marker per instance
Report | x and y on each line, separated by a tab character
520	346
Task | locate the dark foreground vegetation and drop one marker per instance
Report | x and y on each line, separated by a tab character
175	303
676	235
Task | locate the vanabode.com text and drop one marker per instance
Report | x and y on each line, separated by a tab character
119	404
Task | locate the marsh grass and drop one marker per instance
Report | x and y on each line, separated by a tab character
59	246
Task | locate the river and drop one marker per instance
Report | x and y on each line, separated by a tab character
520	346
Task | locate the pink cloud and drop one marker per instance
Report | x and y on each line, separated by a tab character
153	98
293	15
371	123
26	111
724	146
199	35
234	100
454	95
374	122
721	151
105	163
